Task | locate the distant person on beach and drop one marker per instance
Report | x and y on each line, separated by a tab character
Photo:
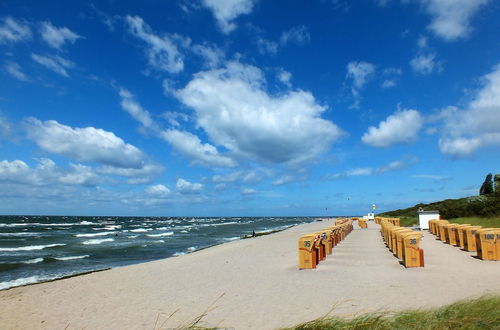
253	233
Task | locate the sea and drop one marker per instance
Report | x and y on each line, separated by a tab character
42	248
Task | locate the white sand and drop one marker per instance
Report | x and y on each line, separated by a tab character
262	287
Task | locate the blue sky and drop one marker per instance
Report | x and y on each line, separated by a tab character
245	107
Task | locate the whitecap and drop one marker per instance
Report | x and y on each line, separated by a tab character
30	248
72	258
96	234
86	223
97	241
132	236
231	239
176	254
114	227
170	233
33	261
20	234
23	281
141	230
191	249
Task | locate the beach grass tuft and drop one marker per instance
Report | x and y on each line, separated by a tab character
195	324
480	313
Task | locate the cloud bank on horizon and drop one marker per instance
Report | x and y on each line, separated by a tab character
229	108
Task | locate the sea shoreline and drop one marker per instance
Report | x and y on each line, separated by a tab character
75	274
259	284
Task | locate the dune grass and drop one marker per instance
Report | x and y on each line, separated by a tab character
476	221
492	222
408	221
480	313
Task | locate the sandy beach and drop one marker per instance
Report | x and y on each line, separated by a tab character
255	284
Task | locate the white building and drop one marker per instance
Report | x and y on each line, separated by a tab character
425	216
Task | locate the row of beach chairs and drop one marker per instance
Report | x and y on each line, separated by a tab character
484	241
314	247
403	242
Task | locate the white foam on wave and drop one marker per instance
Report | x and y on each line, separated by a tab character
219	224
97	241
114	227
229	239
141	230
86	223
176	254
184	231
30	248
162	228
17	224
191	249
170	233
33	261
23	281
132	236
72	258
96	234
159	241
20	234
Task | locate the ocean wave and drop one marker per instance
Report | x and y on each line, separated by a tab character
159	241
229	239
162	228
32	261
71	258
114	227
29	234
170	233
24	281
132	236
176	254
141	230
30	248
192	248
97	241
86	223
39	224
96	234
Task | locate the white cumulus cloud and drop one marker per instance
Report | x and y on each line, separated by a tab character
451	18
360	73
86	144
425	64
158	190
401	127
465	131
162	51
193	148
226	11
47	173
236	112
12	30
57	37
186	187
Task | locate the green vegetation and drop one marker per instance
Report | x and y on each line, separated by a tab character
484	206
481	313
484	222
408	221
